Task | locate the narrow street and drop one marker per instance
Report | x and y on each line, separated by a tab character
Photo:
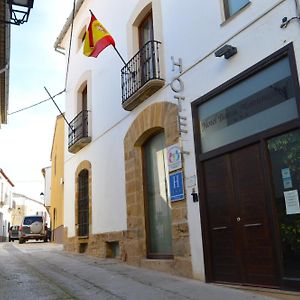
37	270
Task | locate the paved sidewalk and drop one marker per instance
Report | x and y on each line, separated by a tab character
76	276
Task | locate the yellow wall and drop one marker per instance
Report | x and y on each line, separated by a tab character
57	176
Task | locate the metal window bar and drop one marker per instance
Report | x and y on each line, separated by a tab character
144	66
78	128
83	203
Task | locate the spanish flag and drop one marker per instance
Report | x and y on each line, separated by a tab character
96	39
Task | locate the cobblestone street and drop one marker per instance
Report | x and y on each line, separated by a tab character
37	270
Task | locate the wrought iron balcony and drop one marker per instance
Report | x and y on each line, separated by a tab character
78	136
141	76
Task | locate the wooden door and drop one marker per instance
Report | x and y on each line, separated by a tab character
241	246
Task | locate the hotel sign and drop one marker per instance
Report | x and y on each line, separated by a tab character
174	158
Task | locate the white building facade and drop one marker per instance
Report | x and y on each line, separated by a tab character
209	85
6	189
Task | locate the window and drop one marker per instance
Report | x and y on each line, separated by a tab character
84	98
260	102
81	37
146	35
231	7
146	30
83	203
29	220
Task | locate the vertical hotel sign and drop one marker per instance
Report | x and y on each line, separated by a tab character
175	178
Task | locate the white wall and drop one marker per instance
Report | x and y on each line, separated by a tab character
6	189
191	30
47	187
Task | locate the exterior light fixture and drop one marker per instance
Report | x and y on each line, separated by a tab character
19	11
227	51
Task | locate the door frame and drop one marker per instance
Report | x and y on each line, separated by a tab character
261	138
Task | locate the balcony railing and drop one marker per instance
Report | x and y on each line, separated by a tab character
79	132
141	76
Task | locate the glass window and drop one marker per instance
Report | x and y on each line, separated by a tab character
284	153
262	101
146	35
84	98
233	6
158	204
146	30
30	220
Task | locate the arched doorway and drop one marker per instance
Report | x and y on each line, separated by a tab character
158	207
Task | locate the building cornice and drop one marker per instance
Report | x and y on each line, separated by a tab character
57	44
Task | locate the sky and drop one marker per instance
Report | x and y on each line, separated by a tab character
25	142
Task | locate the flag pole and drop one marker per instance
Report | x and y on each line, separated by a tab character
59	110
122	59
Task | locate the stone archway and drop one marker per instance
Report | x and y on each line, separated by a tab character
155	118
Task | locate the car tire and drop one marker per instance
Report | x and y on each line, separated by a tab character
9	239
21	241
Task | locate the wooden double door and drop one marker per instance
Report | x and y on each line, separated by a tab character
240	247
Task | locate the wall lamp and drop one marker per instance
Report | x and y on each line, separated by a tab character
19	11
227	51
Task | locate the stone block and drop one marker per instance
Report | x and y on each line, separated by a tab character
181	247
183	267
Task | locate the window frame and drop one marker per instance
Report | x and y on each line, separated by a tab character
226	9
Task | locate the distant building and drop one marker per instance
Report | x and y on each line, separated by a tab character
25	206
57	181
6	205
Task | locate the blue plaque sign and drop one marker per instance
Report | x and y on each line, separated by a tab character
176	186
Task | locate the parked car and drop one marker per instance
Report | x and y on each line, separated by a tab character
32	228
13	233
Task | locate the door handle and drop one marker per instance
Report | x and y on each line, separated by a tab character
253	225
238	219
